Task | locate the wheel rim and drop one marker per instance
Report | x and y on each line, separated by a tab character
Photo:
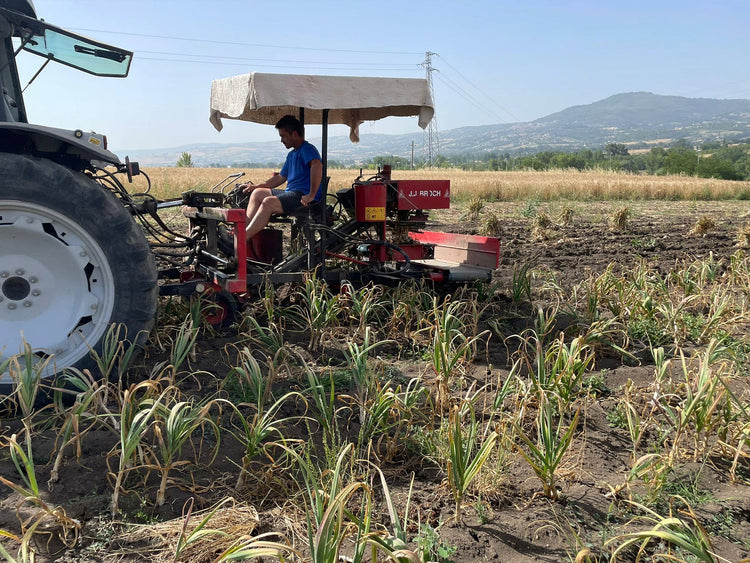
57	291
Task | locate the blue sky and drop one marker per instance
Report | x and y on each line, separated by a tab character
497	61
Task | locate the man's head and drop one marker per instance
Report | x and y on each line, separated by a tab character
291	131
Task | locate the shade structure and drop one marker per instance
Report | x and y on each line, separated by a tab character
348	100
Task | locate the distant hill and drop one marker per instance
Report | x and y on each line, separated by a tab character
635	118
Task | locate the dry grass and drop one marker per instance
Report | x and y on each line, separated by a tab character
491	225
703	225
618	220
743	236
566	216
488	186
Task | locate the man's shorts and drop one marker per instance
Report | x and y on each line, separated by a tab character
290	200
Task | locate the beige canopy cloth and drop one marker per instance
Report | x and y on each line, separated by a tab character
265	98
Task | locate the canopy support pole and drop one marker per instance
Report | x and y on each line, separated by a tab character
324	188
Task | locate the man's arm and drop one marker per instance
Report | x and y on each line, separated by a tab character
273	182
316	175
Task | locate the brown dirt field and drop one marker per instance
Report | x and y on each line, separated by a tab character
508	520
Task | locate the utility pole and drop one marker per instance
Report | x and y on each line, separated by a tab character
431	142
412	155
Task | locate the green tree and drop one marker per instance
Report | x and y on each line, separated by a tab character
712	167
616	149
655	160
396	162
185	160
680	160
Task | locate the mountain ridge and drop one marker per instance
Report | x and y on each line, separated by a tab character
640	119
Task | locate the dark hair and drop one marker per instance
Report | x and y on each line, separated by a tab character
291	124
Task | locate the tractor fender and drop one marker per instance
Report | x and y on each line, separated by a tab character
61	145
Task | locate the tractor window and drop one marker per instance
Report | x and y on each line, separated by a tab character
78	51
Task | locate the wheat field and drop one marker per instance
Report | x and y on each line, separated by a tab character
491	186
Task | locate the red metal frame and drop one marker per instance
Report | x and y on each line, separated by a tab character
237	284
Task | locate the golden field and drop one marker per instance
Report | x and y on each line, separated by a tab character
494	186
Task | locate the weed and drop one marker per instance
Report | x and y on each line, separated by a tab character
484	513
595	385
689	489
643	243
616	417
432	547
530	209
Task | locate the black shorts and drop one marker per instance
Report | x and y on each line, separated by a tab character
290	200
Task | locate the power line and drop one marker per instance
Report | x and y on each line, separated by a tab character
456	88
194	40
506	110
240	64
248	59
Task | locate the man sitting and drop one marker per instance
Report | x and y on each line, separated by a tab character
302	171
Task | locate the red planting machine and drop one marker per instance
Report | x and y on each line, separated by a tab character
372	231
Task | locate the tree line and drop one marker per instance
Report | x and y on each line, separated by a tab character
710	160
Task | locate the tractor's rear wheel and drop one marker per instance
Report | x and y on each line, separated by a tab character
73	262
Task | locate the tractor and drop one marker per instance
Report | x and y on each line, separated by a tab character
79	253
72	259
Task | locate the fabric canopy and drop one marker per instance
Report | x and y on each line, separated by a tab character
265	98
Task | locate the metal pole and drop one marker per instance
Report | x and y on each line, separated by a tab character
324	188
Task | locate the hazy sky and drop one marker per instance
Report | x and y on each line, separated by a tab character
497	61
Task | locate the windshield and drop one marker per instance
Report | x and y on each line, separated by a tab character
73	50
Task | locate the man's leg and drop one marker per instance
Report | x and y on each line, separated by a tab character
256	196
262	207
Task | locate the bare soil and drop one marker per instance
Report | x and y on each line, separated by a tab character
506	521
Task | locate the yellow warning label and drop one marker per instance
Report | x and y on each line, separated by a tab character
374	213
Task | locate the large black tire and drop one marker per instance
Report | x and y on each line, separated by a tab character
73	262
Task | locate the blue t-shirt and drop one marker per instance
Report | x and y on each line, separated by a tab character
296	169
